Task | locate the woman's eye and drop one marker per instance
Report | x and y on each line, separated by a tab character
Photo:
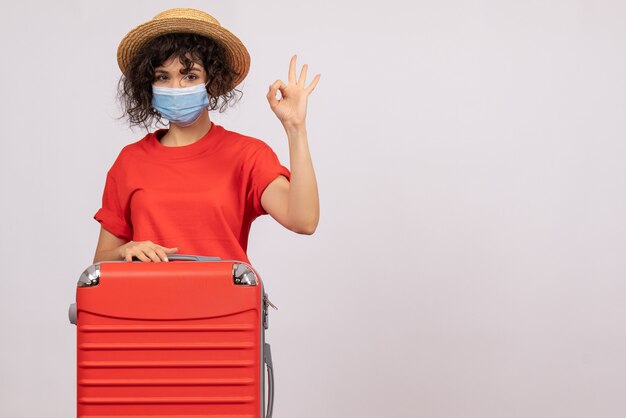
162	77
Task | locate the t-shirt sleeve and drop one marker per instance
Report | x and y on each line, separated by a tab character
114	215
265	168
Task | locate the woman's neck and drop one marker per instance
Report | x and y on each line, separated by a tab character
178	136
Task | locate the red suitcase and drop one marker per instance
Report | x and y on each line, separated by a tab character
184	338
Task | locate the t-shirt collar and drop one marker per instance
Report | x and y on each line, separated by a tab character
208	141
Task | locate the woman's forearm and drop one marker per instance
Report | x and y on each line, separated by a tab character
109	255
303	207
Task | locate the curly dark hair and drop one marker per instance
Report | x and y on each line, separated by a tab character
135	90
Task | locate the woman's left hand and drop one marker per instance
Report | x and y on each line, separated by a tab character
291	107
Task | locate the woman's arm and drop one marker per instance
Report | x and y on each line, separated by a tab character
294	205
108	247
112	248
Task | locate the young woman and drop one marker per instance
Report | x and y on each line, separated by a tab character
196	187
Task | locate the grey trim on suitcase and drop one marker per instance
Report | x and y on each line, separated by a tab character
72	313
191	257
270	376
243	275
90	277
266	360
262	353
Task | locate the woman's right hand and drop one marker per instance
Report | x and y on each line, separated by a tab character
145	251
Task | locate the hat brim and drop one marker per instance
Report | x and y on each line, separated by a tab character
237	54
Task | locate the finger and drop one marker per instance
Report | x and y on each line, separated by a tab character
141	257
311	86
170	250
152	254
292	69
161	254
302	79
271	95
278	84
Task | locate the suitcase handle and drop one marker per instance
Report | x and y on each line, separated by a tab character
187	257
270	378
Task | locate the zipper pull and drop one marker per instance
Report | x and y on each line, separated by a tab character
267	301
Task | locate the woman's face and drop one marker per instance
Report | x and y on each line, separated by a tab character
169	74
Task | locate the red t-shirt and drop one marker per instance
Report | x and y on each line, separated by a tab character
201	198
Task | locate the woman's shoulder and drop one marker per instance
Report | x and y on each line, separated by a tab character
244	142
130	152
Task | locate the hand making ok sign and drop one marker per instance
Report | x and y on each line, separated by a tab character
291	107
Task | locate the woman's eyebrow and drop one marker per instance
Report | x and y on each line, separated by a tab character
160	70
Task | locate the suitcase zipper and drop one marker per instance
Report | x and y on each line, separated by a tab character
266	302
269	302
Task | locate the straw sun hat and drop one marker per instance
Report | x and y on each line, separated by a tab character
185	20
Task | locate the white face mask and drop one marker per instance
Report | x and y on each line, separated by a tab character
181	106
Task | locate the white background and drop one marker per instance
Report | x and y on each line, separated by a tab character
470	156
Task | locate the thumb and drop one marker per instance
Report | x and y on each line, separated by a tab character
171	250
271	95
